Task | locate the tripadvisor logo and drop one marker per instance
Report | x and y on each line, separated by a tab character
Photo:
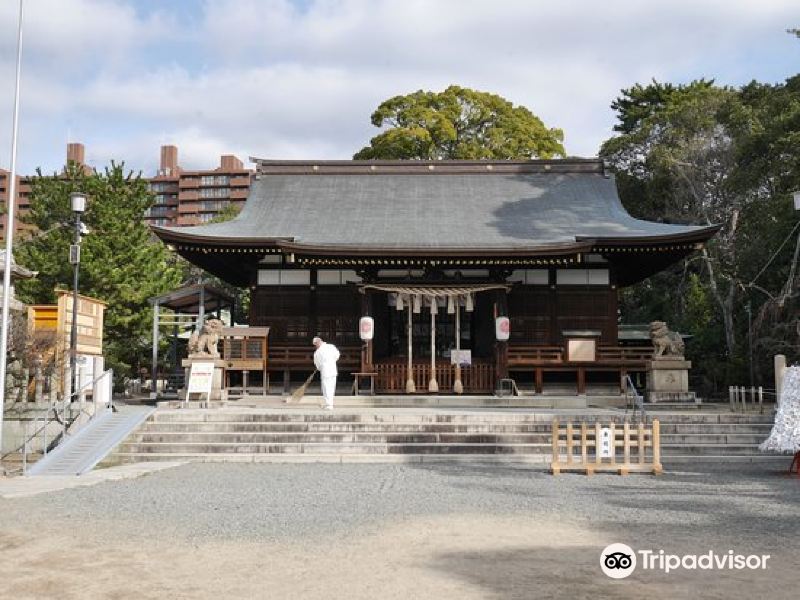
620	560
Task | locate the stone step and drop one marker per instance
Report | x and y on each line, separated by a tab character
337	438
540	460
336	427
332	427
684	428
286	435
147	437
759	457
335	448
704	438
325	417
197	416
669	450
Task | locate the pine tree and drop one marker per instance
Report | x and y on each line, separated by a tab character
121	262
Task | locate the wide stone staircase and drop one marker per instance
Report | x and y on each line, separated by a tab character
408	436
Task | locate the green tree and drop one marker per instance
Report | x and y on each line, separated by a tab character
687	150
121	263
459	123
231	211
700	153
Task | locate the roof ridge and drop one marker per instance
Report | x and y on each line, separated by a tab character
437	167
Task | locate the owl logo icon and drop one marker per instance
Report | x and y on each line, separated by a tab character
618	561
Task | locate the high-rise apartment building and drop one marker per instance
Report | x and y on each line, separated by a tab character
75	153
180	197
21	206
192	197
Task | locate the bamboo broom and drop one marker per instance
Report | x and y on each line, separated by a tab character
298	394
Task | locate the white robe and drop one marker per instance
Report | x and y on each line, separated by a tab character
325	358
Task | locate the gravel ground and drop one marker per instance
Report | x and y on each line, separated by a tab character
458	531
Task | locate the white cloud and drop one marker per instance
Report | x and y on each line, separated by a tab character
282	79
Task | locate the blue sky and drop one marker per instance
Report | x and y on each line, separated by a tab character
282	79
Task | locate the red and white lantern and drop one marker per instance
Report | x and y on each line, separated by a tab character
366	328
502	329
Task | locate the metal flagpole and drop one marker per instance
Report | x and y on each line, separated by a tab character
10	206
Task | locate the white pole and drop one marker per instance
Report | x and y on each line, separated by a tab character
411	387
458	386
11	205
433	385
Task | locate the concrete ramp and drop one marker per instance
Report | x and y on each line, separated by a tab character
91	444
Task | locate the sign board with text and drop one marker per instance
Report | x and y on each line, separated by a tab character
606	444
201	375
461	357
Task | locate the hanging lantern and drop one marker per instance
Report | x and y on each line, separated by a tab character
451	306
417	303
470	306
502	329
366	328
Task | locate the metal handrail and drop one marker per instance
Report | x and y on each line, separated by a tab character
60	407
636	399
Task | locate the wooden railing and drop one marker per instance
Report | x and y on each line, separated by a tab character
529	355
542	359
392	376
295	358
519	355
624	354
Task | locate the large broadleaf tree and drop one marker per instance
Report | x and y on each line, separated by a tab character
459	123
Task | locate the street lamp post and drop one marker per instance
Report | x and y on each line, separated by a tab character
78	204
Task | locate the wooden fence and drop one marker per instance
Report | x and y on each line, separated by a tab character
391	376
597	447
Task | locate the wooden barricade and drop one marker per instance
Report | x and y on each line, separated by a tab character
634	448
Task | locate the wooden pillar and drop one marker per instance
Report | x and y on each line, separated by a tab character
458	387
411	387
501	348
433	385
313	320
581	381
201	309
366	347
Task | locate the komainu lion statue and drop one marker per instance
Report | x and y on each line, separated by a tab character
666	342
205	343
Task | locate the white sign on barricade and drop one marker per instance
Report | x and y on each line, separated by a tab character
606	443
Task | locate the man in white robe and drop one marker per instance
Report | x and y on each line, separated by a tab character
325	357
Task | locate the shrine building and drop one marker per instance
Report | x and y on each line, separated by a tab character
472	271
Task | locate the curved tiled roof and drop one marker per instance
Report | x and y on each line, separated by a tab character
397	211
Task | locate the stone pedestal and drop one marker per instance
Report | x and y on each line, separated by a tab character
218	391
668	380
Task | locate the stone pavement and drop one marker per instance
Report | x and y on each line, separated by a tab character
17	487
